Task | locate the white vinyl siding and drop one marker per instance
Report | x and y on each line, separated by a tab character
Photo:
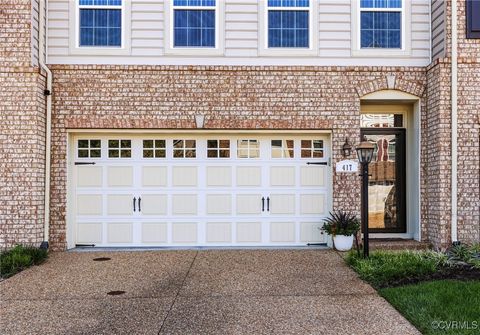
438	28
240	24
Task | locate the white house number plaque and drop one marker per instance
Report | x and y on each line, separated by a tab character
347	166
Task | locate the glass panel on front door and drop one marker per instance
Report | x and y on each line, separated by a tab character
386	189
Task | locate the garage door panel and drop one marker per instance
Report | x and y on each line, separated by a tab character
282	176
313	176
312	204
154	232
120	232
249	176
154	204
282	232
184	204
202	192
89	204
219	176
249	232
184	232
184	176
88	233
154	176
282	204
120	204
311	232
219	204
120	176
249	204
219	232
89	176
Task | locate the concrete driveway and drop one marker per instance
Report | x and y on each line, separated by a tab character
195	292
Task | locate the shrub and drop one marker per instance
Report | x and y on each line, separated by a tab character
341	223
385	267
465	253
19	258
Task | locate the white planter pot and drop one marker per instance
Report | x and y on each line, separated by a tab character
342	242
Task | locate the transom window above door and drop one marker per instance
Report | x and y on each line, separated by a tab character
218	148
100	23
381	120
282	148
288	23
381	24
194	23
248	149
184	148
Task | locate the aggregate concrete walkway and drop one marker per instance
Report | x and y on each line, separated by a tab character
195	292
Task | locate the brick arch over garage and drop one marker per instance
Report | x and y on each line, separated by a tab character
390	82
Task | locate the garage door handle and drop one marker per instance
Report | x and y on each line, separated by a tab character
268	204
263	204
134	202
317	163
139	204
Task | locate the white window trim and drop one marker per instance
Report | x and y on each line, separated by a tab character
193	51
264	50
406	31
74	25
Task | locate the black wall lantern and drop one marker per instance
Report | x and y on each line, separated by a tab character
346	148
365	154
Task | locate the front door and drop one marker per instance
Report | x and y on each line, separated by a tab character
386	187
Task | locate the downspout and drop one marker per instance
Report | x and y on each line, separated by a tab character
48	122
454	120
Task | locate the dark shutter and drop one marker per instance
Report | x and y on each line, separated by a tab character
473	18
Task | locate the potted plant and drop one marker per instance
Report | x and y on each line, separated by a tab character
342	226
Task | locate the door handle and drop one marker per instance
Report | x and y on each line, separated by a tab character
139	204
134	202
263	204
317	163
268	204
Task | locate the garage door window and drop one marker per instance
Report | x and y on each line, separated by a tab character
218	148
89	148
282	149
312	148
184	149
119	148
248	149
154	149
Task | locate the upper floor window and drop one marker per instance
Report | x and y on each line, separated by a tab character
473	18
194	23
381	24
288	23
100	23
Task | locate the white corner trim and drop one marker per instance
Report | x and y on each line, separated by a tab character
219	49
264	50
406	49
74	33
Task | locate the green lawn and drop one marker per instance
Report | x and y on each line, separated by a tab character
439	307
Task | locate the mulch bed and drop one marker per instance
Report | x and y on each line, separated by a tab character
458	272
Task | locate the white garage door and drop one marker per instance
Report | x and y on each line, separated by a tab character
209	190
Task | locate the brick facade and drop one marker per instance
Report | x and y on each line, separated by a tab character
139	97
439	104
159	97
22	130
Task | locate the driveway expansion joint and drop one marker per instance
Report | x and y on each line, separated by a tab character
178	292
